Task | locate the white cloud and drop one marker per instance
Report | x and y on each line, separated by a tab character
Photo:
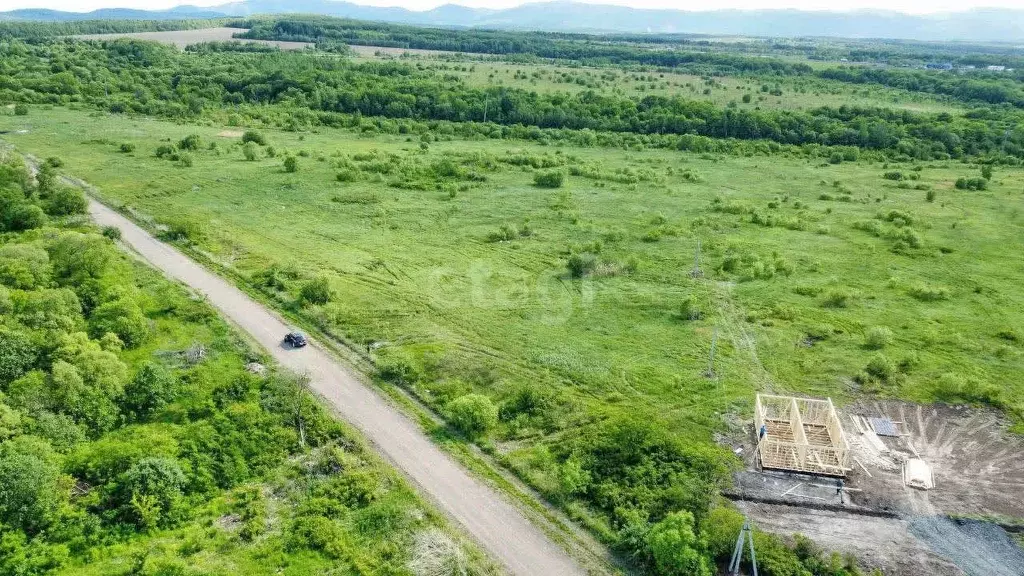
911	6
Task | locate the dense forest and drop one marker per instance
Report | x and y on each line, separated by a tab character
145	78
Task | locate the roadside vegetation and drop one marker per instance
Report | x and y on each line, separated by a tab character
521	261
139	434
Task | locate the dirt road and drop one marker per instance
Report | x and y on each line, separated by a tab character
496	524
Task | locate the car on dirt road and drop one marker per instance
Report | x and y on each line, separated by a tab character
295	339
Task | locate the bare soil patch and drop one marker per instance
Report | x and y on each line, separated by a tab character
883	543
230	133
182	38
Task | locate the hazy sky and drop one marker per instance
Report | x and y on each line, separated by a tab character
914	6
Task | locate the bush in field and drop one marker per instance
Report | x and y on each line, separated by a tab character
347	175
837	299
65	201
930	196
20	109
22	216
473	414
127	147
190	142
183	229
688	309
553	179
893	175
675	548
185	160
579	265
971	183
254	137
986	171
926	293
164	150
878	337
249	151
112	232
880	367
291	164
316	291
505	233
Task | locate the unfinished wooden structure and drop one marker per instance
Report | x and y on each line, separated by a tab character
800	435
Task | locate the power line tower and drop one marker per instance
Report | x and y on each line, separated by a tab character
697	272
747	534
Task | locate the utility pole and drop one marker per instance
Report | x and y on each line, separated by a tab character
746	533
710	372
697	272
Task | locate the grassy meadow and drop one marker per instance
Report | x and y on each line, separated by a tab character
783	93
820	279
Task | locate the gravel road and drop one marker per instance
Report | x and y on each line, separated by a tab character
483	512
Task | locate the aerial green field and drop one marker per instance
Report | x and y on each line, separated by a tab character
585	258
820	279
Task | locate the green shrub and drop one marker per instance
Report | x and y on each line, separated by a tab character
291	164
249	151
122	317
579	265
473	414
505	233
880	367
986	171
316	291
164	150
254	137
65	201
182	228
112	232
893	175
20	109
688	309
926	293
127	147
23	216
184	160
552	179
837	298
347	175
675	548
929	196
878	337
971	183
190	142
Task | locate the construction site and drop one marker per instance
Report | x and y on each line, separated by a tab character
909	489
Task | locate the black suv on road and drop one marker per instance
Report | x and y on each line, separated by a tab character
295	339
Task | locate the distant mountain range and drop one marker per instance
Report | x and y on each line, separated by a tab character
994	25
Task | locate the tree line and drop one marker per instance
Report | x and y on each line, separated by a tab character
146	78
